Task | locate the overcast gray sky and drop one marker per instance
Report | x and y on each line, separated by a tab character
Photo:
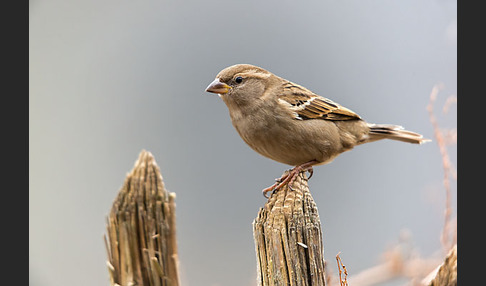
110	78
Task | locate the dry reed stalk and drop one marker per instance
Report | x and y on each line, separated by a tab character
288	238
448	237
141	231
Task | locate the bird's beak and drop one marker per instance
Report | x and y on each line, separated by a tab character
218	87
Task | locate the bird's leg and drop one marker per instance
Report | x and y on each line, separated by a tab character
269	189
283	177
279	183
290	176
301	168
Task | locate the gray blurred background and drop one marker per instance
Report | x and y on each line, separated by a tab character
110	78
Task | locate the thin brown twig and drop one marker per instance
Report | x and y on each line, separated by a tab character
342	282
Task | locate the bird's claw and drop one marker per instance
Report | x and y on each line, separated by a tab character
311	172
289	177
291	187
272	188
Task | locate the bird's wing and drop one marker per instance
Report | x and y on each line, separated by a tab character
305	104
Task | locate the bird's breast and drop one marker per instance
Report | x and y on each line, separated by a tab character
285	140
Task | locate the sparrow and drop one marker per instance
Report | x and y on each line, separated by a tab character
290	124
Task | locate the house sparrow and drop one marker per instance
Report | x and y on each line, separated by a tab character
290	124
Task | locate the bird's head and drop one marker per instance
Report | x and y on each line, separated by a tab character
241	83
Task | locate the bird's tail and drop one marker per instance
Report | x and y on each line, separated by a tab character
394	132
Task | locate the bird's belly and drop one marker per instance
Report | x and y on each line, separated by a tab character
289	145
291	153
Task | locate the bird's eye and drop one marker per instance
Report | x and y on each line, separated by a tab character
238	79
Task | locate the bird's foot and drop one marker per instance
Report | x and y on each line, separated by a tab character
289	177
270	189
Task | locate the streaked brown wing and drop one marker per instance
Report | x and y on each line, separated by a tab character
307	105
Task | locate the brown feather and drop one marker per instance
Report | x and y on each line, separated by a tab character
307	105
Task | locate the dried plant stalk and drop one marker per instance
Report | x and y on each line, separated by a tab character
288	238
141	231
448	238
342	270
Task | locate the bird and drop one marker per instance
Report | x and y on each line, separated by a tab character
290	124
